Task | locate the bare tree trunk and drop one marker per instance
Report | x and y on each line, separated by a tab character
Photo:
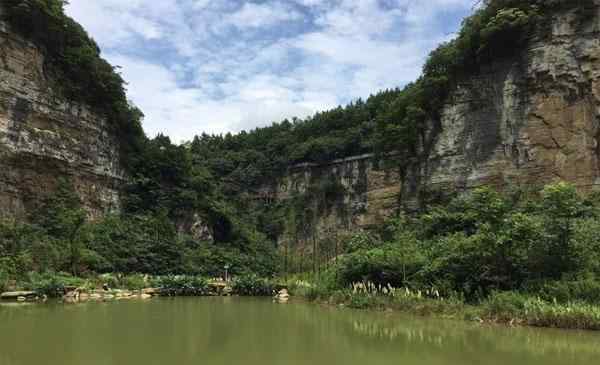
285	263
314	269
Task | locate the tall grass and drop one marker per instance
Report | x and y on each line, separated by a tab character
516	308
499	307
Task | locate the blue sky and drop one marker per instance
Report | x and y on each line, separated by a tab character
220	66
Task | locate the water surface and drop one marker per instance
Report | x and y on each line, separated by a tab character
248	331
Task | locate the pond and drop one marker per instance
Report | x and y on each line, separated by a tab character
253	331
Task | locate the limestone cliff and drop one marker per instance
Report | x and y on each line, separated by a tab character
44	137
530	119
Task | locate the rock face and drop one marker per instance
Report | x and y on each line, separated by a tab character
44	137
335	198
532	119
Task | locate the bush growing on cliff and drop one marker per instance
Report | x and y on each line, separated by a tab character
362	241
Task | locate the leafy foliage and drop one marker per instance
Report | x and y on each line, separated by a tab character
486	241
253	285
183	286
52	285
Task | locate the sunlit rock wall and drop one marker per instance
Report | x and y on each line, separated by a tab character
44	137
530	120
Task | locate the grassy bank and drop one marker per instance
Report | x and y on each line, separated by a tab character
511	308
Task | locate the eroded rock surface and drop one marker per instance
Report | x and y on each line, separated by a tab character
533	119
44	137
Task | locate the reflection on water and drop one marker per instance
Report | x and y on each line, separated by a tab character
440	334
253	331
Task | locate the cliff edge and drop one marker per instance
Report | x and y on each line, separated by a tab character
44	137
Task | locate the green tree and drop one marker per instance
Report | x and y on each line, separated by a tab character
62	216
560	205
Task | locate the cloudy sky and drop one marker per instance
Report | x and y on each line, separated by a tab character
220	66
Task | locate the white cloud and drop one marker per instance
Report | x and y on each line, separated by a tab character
260	15
182	112
226	65
352	17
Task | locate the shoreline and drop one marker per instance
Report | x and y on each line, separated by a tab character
505	308
573	316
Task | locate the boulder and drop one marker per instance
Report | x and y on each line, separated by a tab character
71	293
282	296
151	291
123	294
16	294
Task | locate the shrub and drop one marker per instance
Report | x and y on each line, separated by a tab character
4	278
506	305
587	291
252	285
363	301
319	291
362	241
134	282
52	284
111	280
180	285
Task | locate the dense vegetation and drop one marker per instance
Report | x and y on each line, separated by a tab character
58	238
521	257
485	242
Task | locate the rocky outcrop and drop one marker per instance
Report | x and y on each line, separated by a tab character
529	120
334	198
44	137
534	119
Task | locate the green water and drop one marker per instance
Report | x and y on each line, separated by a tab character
231	331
